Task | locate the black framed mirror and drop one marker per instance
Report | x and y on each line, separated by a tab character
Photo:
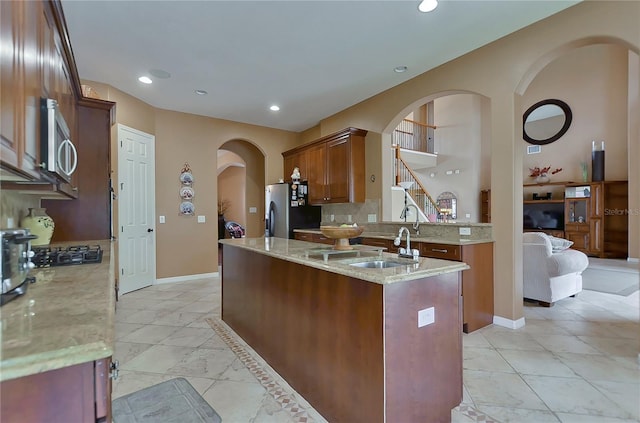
546	121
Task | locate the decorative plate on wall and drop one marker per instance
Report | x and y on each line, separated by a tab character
186	193
186	178
187	208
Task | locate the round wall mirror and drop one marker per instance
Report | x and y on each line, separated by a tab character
546	121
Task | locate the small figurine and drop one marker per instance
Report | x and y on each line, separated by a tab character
296	174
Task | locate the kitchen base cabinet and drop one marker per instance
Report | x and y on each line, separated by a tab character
346	344
79	394
477	282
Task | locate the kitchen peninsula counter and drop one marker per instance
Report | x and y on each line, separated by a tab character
361	345
65	318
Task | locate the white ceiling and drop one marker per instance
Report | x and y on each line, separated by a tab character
312	58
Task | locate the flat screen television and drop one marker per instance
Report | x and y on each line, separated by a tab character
543	216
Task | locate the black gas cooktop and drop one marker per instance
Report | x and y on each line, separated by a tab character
63	256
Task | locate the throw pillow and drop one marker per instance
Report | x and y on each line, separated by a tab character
559	244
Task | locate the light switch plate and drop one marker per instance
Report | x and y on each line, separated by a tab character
202	219
161	219
465	231
253	210
372	218
426	316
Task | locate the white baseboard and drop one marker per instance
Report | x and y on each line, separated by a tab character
633	259
186	278
508	323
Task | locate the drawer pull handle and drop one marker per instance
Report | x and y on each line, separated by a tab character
439	250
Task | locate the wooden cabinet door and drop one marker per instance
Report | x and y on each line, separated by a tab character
11	82
595	236
580	240
32	64
316	160
299	160
596	200
338	171
62	395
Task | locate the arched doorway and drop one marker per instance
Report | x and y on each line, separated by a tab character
462	146
599	79
241	181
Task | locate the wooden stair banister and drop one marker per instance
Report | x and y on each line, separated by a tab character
414	178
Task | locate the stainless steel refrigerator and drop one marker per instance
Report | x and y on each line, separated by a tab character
287	208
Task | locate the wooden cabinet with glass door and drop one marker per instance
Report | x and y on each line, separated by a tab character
577	221
596	218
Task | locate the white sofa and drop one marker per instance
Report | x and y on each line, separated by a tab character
549	273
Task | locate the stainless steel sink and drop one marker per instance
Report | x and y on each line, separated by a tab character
378	264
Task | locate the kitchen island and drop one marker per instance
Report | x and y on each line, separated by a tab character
443	241
360	344
57	343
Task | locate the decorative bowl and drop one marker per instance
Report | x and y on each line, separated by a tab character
341	234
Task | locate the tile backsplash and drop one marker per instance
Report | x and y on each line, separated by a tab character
350	212
336	214
14	206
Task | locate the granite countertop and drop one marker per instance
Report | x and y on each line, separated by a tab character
65	318
414	237
308	254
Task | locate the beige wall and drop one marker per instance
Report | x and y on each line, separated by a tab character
599	111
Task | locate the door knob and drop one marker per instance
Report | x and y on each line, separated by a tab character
149	230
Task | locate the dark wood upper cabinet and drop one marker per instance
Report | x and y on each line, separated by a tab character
335	168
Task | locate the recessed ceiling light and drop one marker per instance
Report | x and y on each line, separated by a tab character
159	73
145	80
274	108
201	92
427	5
400	69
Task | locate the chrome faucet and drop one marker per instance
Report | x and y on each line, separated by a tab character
416	224
406	252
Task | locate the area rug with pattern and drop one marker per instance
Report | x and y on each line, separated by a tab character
172	401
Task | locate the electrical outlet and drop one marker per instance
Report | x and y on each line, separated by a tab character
426	316
372	218
465	231
349	218
202	219
332	218
161	219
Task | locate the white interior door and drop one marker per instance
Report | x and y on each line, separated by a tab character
136	209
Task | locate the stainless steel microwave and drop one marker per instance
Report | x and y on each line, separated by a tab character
59	155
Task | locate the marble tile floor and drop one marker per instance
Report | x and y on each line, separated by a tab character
574	362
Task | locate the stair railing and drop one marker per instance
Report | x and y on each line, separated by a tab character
412	135
417	191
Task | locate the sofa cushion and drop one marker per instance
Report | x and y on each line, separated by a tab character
559	244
